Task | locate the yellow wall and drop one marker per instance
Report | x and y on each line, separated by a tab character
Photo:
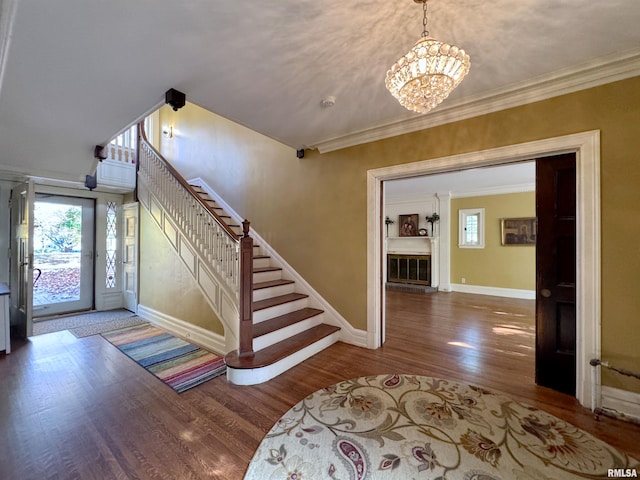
495	265
313	210
165	283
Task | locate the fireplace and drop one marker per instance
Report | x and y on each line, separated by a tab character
413	269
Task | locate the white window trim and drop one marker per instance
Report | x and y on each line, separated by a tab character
462	222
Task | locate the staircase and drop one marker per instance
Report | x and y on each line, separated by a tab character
269	313
287	329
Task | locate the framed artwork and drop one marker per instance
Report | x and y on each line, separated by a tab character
408	225
519	231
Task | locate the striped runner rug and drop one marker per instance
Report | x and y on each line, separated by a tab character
178	363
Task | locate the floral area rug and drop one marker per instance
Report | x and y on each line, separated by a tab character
411	427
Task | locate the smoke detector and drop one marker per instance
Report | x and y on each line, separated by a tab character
327	102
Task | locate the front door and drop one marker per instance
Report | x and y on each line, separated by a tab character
21	262
63	254
556	272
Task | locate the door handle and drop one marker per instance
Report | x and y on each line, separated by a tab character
545	292
37	276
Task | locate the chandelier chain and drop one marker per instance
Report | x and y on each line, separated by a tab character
425	32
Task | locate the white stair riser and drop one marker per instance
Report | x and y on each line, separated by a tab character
276	311
264	293
253	376
269	339
267	276
261	262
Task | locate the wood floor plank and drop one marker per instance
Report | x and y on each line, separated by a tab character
80	409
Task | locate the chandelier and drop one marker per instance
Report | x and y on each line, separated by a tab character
426	75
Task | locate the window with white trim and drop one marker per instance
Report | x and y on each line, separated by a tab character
471	228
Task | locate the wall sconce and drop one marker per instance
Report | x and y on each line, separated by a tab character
168	132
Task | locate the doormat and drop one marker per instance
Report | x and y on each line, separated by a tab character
179	364
108	326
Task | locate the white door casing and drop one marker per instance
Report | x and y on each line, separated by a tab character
588	281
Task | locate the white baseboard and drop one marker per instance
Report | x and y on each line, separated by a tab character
621	401
193	333
494	291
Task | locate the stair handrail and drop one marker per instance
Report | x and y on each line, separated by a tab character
241	274
182	181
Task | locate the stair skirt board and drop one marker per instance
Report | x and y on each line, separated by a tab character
254	376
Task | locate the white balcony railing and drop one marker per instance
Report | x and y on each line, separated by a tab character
119	168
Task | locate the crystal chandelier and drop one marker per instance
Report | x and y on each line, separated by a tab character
426	75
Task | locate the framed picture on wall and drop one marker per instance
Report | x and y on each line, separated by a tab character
408	225
519	231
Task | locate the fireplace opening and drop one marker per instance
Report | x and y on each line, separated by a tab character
409	269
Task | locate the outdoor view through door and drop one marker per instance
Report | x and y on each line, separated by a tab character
63	242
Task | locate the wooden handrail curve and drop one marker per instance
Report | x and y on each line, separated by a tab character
180	179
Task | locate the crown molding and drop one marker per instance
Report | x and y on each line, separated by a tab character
609	69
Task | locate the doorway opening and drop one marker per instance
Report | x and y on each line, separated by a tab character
587	148
480	312
63	260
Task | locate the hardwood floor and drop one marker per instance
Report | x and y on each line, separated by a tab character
79	409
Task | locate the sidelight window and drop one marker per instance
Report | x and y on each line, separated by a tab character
111	245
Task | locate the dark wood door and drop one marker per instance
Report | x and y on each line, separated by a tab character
556	272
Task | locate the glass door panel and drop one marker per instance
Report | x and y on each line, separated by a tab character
63	238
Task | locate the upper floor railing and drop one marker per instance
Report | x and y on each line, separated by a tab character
229	254
123	147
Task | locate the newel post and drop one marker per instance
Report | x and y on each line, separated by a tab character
246	292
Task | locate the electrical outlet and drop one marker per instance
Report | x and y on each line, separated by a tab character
464	280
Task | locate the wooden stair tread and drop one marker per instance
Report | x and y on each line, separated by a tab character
283	321
280	350
257	257
266	269
272	283
279	300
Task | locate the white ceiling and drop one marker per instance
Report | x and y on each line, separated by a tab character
73	73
